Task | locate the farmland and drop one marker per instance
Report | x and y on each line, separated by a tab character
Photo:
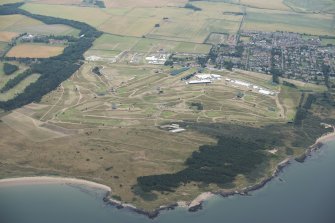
34	51
257	19
21	24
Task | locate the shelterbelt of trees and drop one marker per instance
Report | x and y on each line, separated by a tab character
56	69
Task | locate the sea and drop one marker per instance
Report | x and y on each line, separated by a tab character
302	193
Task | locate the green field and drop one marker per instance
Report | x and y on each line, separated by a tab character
311	5
18	89
278	21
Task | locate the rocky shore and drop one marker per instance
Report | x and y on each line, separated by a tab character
192	206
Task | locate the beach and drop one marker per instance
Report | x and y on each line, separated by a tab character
42	180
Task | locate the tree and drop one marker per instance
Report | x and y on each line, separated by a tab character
9	68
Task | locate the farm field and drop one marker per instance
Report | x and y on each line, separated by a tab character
7	36
34	51
91	16
113	45
265	4
326	6
21	24
278	21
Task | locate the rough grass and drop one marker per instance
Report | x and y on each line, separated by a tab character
34	51
19	88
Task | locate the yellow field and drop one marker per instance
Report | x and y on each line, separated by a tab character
21	24
91	16
142	3
7	36
34	51
128	25
58	2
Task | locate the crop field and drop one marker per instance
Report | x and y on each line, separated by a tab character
11	24
311	5
34	51
7	36
8	1
58	2
128	25
143	3
266	4
91	16
112	45
278	21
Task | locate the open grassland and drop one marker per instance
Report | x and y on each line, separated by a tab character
86	129
34	51
19	88
326	6
22	24
292	22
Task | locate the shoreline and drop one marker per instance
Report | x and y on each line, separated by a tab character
192	206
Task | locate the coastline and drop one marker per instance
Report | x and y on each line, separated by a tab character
44	180
192	206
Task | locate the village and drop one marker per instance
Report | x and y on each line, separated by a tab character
285	54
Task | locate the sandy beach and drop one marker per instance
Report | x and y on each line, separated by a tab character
51	180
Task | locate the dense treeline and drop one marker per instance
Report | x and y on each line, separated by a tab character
9	68
302	110
56	69
240	149
96	70
218	164
15	81
193	7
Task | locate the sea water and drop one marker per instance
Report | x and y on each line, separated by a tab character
302	193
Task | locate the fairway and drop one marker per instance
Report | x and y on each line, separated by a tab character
34	51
